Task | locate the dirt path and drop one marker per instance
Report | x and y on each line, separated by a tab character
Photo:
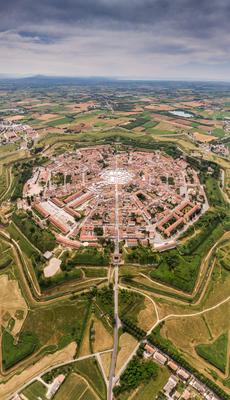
196	313
170	316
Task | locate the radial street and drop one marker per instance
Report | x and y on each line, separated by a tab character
117	322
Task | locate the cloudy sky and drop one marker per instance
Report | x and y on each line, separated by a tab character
144	39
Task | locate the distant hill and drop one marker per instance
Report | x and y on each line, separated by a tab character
45	81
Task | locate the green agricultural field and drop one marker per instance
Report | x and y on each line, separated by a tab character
60	121
100	124
90	371
215	353
35	391
150	124
33	121
219	115
15	351
156	132
81	117
219	132
72	389
138	121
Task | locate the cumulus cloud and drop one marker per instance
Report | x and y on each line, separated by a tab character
139	38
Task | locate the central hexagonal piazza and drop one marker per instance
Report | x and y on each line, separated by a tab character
159	196
118	176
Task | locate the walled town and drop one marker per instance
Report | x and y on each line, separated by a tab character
159	197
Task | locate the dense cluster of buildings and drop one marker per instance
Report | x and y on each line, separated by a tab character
11	132
227	124
219	148
75	193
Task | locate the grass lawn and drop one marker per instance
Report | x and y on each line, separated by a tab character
91	372
214	194
130	305
58	324
223	254
95	272
103	339
5	247
5	261
35	391
215	353
24	244
13	353
85	256
3	180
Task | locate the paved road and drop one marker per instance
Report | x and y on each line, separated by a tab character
117	322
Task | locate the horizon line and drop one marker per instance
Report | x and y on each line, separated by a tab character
4	76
